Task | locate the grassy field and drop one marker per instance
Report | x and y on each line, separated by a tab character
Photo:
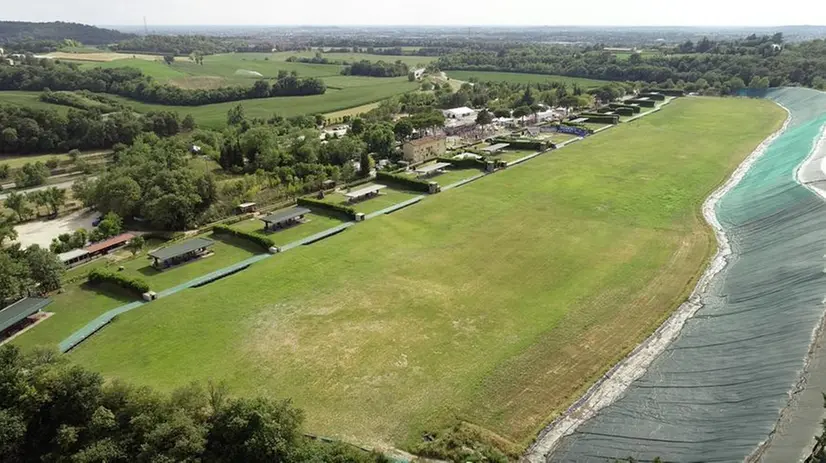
81	303
28	99
497	303
314	223
520	78
388	197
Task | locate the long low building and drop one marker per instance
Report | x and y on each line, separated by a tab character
432	169
20	310
103	247
179	253
285	218
74	257
364	193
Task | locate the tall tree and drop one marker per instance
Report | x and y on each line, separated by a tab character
484	117
17	203
55	198
44	267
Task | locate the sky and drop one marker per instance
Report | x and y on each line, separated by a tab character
420	12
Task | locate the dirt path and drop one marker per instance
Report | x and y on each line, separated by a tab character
41	232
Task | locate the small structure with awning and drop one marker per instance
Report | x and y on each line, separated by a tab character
432	169
21	310
284	219
364	193
495	148
245	208
179	253
74	257
103	247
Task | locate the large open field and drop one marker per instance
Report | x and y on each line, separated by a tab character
520	78
28	99
498	302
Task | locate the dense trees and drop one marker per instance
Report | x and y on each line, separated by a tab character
51	410
132	83
56	32
377	69
29	130
717	63
30	271
189	44
152	179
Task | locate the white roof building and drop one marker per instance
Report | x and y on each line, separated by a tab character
459	113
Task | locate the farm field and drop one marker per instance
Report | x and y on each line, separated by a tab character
28	99
498	303
520	78
215	115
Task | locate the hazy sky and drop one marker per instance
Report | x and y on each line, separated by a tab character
436	12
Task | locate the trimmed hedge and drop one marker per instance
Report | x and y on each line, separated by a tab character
646	103
615	106
653	96
523	144
404	181
315	204
624	111
135	285
263	241
601	118
667	91
467	163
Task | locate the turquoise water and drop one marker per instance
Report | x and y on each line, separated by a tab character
716	393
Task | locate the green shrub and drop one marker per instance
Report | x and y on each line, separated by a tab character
468	163
666	91
644	103
135	285
601	118
636	109
408	183
652	96
322	206
624	111
516	143
263	241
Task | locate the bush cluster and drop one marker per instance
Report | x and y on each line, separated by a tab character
263	241
635	109
136	285
408	183
644	103
316	204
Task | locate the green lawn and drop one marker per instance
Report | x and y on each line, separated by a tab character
314	223
81	303
388	197
215	115
499	302
512	155
520	78
28	99
451	175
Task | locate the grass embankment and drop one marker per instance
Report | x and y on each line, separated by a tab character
497	303
520	78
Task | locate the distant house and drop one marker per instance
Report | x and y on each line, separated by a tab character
459	113
423	148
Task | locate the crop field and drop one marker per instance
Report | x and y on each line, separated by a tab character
520	78
498	303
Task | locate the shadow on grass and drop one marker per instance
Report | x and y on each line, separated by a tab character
149	271
240	243
110	290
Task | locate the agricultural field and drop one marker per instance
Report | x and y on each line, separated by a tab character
215	115
28	99
395	326
520	78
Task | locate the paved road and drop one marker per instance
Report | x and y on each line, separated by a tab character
62	185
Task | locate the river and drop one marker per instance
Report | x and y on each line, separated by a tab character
735	373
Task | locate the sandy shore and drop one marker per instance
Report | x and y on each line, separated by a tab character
613	384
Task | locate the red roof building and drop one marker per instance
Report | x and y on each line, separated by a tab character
103	247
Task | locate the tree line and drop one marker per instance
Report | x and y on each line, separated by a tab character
742	63
377	69
12	32
29	130
53	410
24	272
132	83
189	44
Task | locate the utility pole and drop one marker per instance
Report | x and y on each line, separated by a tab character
145	28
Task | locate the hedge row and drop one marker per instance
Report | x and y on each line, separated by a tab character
601	118
408	183
136	285
523	144
636	109
653	96
467	163
624	111
646	103
666	91
316	204
263	241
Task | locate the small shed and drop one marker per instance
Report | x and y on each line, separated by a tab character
432	169
20	310
495	148
73	257
179	253
105	246
364	193
285	218
245	208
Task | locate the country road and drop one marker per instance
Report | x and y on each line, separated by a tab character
62	185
